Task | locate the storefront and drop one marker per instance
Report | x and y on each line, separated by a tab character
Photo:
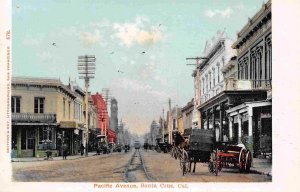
213	112
33	134
251	124
70	133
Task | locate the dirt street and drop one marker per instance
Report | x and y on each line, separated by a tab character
110	168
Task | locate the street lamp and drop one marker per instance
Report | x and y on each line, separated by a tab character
86	68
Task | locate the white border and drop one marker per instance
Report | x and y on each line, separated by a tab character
286	118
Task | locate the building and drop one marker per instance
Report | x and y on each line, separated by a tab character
45	114
187	114
216	95
103	118
120	133
163	130
180	122
251	121
154	132
114	114
92	124
218	52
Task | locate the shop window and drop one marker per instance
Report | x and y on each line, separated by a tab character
39	105
46	135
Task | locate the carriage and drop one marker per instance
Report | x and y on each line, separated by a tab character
199	145
231	156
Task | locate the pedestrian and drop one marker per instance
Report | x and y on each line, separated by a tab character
65	151
82	149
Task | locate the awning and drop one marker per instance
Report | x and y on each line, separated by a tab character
68	124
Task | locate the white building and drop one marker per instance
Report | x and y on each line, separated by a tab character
218	52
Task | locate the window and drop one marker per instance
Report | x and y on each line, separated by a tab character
218	73
203	84
214	79
15	104
46	135
209	80
64	106
206	83
74	111
69	110
223	61
39	104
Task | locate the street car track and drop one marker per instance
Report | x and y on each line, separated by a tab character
136	170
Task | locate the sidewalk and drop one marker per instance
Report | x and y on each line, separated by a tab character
262	166
31	159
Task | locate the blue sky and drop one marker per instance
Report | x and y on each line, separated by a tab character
117	32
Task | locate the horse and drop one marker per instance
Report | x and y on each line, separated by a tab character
183	143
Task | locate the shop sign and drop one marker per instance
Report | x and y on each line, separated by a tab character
265	115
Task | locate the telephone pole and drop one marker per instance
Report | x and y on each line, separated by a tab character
86	67
196	75
163	127
170	122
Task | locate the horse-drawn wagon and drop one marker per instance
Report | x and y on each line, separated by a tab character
232	156
199	145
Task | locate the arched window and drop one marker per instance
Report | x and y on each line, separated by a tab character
218	66
223	61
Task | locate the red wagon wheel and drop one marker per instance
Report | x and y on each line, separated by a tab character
242	160
248	161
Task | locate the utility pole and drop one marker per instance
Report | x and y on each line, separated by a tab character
86	67
197	78
170	123
163	127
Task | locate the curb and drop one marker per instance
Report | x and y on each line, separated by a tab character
42	159
261	172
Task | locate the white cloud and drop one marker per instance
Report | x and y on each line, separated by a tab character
131	33
46	56
32	41
220	13
89	39
135	86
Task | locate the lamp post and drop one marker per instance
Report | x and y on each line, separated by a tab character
86	67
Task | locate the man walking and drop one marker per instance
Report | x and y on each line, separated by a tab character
82	149
65	151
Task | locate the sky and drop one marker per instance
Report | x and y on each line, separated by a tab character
140	46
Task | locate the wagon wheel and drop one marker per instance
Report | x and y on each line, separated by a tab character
248	161
184	162
217	163
242	160
213	163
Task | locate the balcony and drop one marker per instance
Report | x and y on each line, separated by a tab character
233	84
34	117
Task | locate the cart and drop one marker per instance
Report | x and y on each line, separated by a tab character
233	156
